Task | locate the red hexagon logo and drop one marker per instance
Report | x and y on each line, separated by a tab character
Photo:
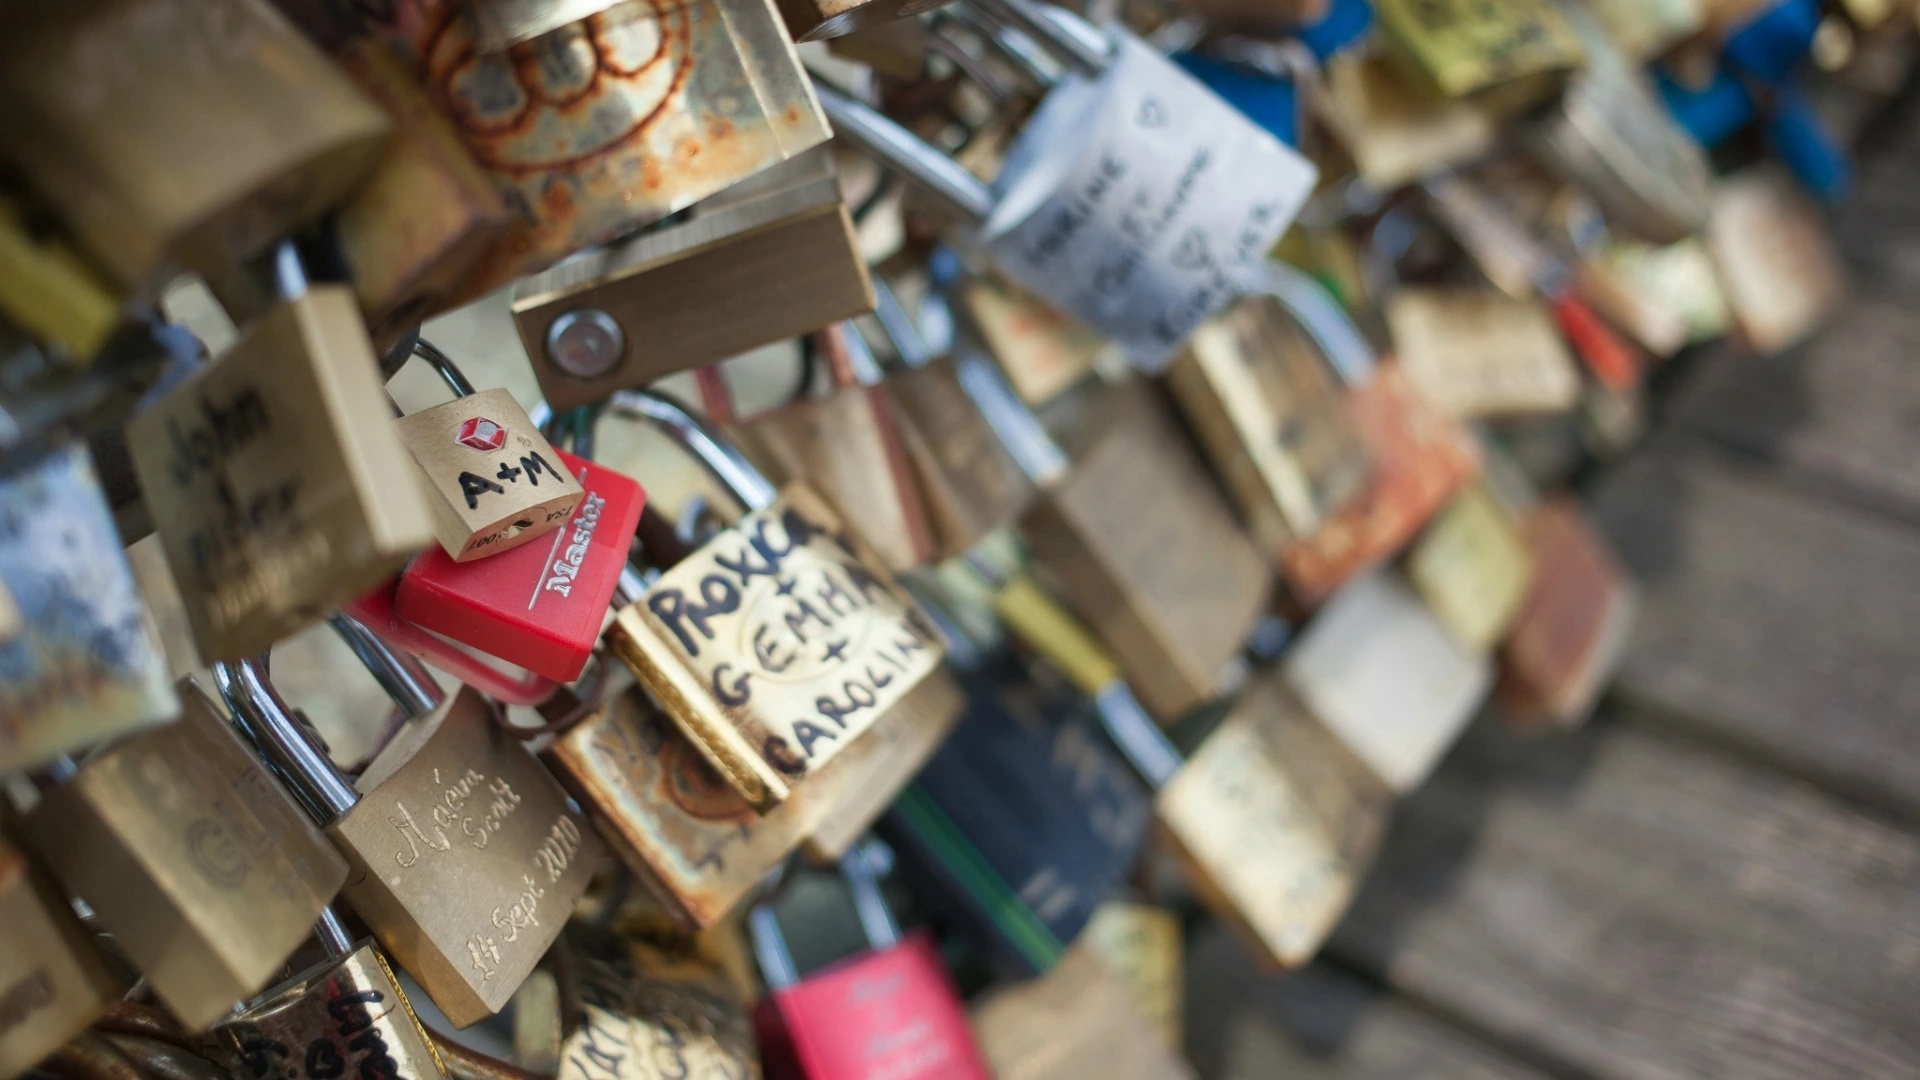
482	434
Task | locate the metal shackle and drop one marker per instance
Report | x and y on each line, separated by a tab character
1074	43
769	942
907	154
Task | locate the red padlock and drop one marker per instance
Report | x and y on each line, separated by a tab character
891	1011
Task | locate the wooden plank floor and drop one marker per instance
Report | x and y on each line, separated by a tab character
1720	877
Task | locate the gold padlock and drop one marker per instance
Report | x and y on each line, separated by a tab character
1479	353
50	292
771	257
1076	1021
1042	351
1473	567
345	1014
1395	131
496	481
1510	54
649	997
465	856
188	131
52	980
205	873
778	643
1141	943
275	478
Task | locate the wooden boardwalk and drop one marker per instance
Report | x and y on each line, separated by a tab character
1720	876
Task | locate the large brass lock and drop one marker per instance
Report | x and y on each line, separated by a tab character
274	477
53	982
778	643
465	856
197	863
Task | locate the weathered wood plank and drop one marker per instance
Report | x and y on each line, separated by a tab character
1843	412
1634	906
1782	621
1316	1024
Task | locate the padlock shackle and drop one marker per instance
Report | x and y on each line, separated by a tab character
1075	44
901	328
1321	316
770	948
443	364
266	721
722	460
869	904
406	680
332	934
907	154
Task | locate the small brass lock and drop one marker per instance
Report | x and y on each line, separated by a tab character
1473	567
205	873
1509	54
1077	1020
53	982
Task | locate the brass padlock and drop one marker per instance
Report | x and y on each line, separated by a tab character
274	476
1386	678
347	1014
1480	353
1473	567
771	257
1572	628
777	644
194	859
1145	548
53	982
1395	131
1042	351
1510	54
50	291
1263	386
652	998
1141	944
495	480
188	131
84	666
614	121
465	857
1076	1021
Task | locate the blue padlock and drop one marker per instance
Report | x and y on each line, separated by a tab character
1346	22
1712	113
1794	132
1771	44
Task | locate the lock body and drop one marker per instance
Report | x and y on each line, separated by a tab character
1140	945
614	121
1473	567
51	292
1573	625
771	257
1078	1020
275	480
1396	130
200	866
52	980
1778	266
1481	353
1272	419
540	605
1042	351
1420	457
776	645
1147	552
496	482
345	1016
654	1001
890	1012
969	484
453	798
1508	54
1380	672
83	667
1276	821
180	131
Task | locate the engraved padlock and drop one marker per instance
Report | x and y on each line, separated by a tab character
778	643
50	291
193	132
465	857
890	1010
53	982
84	667
1159	196
346	1015
769	258
274	476
1478	353
1387	678
196	862
611	122
648	997
1472	566
496	482
1077	1020
1571	630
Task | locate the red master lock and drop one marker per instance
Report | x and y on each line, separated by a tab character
539	606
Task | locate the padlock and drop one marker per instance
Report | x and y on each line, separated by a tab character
611	122
769	258
485	820
274	477
1473	566
50	291
1610	135
1126	138
1777	264
1386	678
891	1010
1076	1021
1140	944
190	132
1478	353
946	407
780	641
1572	628
1394	130
84	667
848	446
1510	54
492	474
1262	387
53	982
651	999
345	1015
1272	817
1042	351
194	860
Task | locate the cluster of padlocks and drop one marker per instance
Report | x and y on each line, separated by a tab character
1151	494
